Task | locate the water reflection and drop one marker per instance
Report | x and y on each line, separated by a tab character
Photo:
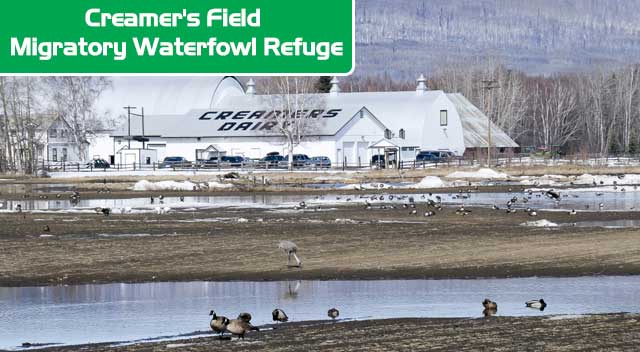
117	312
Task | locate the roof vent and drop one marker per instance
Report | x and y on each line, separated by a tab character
422	85
335	87
251	87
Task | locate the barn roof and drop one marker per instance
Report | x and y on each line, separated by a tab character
475	126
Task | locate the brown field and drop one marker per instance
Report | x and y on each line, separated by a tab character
366	244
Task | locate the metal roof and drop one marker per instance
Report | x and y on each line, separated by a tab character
475	126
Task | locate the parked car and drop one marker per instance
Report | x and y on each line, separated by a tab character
98	164
273	160
233	161
321	162
175	161
300	160
433	156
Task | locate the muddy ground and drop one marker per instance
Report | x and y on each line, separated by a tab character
334	243
616	332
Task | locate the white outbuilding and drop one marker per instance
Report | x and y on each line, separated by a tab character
218	116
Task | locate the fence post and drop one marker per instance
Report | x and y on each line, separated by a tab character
344	163
359	162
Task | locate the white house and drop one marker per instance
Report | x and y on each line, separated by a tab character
217	117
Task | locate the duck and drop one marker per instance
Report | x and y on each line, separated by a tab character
240	327
333	313
218	323
536	304
279	315
489	304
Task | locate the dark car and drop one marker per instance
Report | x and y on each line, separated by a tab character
433	156
300	160
273	160
175	161
321	162
233	161
98	164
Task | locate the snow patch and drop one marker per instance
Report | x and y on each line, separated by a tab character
145	185
540	223
480	174
430	182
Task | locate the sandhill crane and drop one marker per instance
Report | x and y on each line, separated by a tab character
290	249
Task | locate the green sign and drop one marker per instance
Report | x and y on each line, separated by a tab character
193	37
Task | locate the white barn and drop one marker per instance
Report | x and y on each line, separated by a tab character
200	118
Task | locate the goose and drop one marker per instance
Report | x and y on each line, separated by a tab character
536	304
240	327
489	312
553	194
333	313
246	317
573	212
182	199
218	323
19	208
279	315
106	211
489	304
45	228
413	212
429	214
533	213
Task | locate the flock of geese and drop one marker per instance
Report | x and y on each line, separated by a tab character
242	324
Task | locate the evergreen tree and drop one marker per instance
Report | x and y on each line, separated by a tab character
323	84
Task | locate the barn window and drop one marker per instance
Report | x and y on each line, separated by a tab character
64	154
444	117
54	154
53	133
402	133
388	134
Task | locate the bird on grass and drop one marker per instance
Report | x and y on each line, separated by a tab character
279	315
333	313
218	323
489	304
241	325
290	249
536	304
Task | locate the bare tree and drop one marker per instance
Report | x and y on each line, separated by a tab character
74	98
554	107
290	101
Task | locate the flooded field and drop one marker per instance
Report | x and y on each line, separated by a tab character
125	312
588	200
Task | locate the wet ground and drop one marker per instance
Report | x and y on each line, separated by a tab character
618	332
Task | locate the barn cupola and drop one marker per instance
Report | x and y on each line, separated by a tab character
251	87
422	85
335	86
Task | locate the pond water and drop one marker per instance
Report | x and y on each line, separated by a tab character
126	312
578	200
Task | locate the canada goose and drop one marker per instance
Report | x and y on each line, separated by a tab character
246	317
45	228
290	249
553	194
279	315
413	212
429	214
182	199
240	327
573	212
536	304
489	312
106	211
489	304
333	313
533	213
19	208
218	323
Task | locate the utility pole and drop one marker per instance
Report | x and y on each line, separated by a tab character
129	108
488	86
